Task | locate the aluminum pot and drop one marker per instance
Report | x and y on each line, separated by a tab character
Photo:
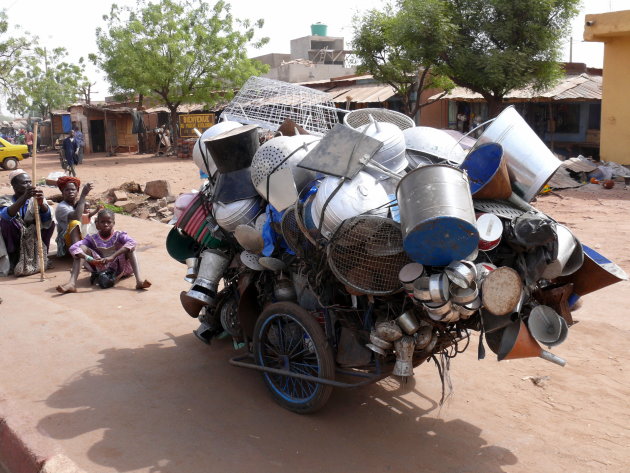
530	162
363	116
570	255
355	197
436	215
241	212
438	310
408	274
421	289
460	274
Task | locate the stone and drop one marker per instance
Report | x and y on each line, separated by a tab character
129	206
120	203
166	219
163	210
170	199
162	202
120	195
157	189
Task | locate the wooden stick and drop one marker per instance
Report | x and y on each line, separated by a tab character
38	222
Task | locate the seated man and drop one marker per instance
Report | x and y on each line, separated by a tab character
107	251
17	225
69	212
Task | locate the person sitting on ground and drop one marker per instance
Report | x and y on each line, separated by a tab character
107	251
69	212
18	237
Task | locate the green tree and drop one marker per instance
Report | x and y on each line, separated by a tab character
45	82
12	50
402	53
177	51
503	45
488	46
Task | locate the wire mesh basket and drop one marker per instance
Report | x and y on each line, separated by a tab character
268	102
361	117
366	253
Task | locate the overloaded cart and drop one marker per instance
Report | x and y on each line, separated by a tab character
337	254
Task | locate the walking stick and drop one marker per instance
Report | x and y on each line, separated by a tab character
38	222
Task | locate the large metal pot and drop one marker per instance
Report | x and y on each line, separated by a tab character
355	197
241	212
530	162
437	217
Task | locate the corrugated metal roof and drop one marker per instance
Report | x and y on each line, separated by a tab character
573	88
361	93
183	108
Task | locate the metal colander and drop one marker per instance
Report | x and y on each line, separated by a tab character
295	238
361	117
279	153
366	253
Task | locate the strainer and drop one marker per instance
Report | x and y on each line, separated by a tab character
366	253
280	153
357	118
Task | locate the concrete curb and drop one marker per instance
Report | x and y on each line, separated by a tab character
23	449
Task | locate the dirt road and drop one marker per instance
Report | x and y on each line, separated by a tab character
117	380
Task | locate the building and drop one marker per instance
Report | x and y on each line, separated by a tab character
613	29
566	116
314	57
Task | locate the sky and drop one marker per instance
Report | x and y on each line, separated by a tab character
73	26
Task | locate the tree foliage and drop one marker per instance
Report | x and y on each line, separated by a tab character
177	51
489	46
45	81
12	50
401	53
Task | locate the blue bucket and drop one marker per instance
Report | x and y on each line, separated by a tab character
482	164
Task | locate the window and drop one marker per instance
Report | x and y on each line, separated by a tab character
567	118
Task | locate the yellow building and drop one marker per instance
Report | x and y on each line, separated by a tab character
613	29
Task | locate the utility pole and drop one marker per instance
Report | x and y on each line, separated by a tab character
571	49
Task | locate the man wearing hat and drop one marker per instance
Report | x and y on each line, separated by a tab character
17	226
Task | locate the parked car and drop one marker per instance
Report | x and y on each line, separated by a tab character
11	154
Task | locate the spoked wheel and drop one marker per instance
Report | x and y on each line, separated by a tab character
287	337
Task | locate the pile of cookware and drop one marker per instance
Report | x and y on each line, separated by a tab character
396	243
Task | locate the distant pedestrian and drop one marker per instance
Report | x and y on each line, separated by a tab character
78	135
28	137
70	152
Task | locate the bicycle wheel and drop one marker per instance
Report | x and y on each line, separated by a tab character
289	338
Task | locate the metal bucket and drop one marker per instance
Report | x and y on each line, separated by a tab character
436	215
530	162
487	172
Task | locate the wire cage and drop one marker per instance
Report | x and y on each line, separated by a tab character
268	102
293	234
366	253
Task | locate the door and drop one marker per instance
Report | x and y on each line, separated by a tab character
97	133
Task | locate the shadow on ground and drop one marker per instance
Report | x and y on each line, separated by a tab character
177	406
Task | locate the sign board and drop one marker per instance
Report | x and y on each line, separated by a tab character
200	121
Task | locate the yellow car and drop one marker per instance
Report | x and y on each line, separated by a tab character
10	154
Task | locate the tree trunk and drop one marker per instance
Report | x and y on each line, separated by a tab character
495	105
142	136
